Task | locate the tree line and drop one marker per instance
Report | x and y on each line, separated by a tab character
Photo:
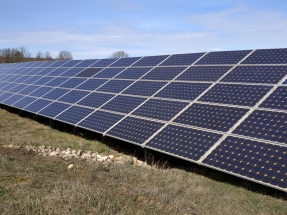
22	54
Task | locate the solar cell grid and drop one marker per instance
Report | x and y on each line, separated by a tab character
53	109
24	102
182	91
185	142
134	130
8	87
45	71
43	81
58	63
11	100
256	160
150	61
100	121
108	73
86	63
71	63
47	64
57	72
144	88
40	91
267	56
89	72
55	94
5	96
160	109
163	73
74	114
246	95
72	83
219	118
95	100
133	73
223	57
277	99
115	86
204	73
18	88
56	82
125	62
28	90
71	72
34	71
181	59
264	125
73	96
91	84
103	63
256	74
32	79
37	105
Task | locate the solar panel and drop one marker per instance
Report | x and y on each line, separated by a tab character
223	110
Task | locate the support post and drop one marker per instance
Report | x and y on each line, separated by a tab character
51	123
146	155
20	112
75	130
34	117
103	138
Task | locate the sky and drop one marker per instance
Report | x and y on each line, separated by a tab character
94	29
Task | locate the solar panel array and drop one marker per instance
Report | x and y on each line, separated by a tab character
224	110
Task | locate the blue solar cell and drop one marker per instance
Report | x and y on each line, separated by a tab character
9	87
86	63
74	114
163	73
37	64
28	90
160	109
103	62
55	94
73	96
265	125
47	63
100	121
71	63
12	78
204	73
57	72
73	82
53	109
267	56
43	80
210	116
11	100
277	99
72	72
115	86
24	102
37	105
108	73
185	142
285	82
91	84
223	57
18	88
247	95
134	130
40	91
34	71
125	62
258	161
5	96
256	74
181	59
182	91
144	88
89	72
56	82
123	104
95	100
22	79
58	63
150	60
32	79
133	73
45	71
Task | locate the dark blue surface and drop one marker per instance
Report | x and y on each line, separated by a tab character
125	62
223	57
135	130
12	99
18	88
71	63
73	83
89	72
181	59
133	73
4	96
204	73
150	60
95	100
123	104
58	63
28	90
185	142
144	88
55	94
71	72
57	72
160	109
247	95
73	96
56	82
91	84
182	91
108	73
74	114
53	109
32	79
256	74
163	73
267	56
115	86
277	99
103	62
256	160
45	71
86	63
24	102
265	125
43	81
211	116
100	121
40	91
37	105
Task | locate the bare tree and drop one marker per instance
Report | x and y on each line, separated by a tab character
24	52
39	56
10	55
47	55
65	55
119	54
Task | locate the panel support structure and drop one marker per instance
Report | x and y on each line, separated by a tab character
52	123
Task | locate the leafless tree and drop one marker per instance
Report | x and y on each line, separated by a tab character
119	54
47	55
24	52
65	55
39	56
10	55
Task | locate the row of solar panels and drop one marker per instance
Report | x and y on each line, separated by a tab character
189	112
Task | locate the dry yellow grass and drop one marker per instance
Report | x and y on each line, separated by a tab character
31	184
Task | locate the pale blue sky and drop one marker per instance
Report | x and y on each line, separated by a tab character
94	29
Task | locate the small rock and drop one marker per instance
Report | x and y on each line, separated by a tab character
74	152
70	166
94	155
86	156
80	152
111	157
99	156
54	153
58	150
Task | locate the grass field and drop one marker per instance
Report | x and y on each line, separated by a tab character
31	184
